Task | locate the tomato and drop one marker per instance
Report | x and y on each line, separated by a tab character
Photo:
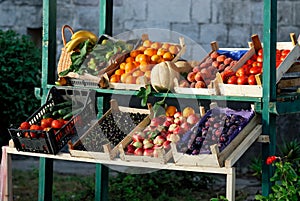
282	58
259	59
278	62
255	70
254	57
242	80
285	52
24	125
226	74
232	80
49	121
57	124
250	61
34	127
260	52
45	123
241	72
252	80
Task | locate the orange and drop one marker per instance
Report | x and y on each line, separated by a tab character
156	45
123	77
129	67
129	59
165	46
144	66
142	48
122	66
170	111
161	51
173	49
142	57
168	56
150	52
147	43
155	59
134	53
114	78
119	71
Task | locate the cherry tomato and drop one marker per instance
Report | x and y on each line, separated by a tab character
255	70
260	52
285	52
56	124
232	80
24	125
241	72
242	80
259	58
252	80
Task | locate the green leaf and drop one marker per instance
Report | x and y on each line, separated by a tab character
144	93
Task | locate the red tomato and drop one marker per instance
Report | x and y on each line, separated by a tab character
255	70
226	74
285	52
282	58
250	61
278	62
241	72
56	124
242	80
259	58
232	80
24	125
254	57
252	80
34	127
49	120
45	123
260	52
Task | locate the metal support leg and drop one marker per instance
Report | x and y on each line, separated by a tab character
45	179
101	183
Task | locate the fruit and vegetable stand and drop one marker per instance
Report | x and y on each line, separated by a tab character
256	125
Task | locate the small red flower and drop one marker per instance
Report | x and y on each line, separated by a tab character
270	160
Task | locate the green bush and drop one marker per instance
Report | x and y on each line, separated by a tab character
20	64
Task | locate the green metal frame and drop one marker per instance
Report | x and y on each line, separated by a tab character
269	105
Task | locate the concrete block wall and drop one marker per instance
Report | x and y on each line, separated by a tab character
230	22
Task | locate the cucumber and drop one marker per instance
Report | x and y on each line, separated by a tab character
47	115
70	114
64	111
62	105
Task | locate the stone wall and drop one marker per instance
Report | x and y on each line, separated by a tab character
229	22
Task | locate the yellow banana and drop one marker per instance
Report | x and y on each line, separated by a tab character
85	33
72	44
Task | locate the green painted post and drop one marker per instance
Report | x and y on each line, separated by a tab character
269	89
105	27
48	76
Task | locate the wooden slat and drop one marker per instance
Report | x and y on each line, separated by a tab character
243	146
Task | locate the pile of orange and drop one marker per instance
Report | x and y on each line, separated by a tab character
136	69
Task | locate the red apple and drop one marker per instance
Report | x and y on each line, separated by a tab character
130	149
173	137
138	137
139	151
172	127
148	152
137	144
166	145
178	130
159	140
177	114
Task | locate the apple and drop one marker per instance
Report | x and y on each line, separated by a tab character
139	151
148	152
192	119
177	114
137	144
177	121
138	137
159	140
185	126
178	130
167	124
166	145
130	149
173	137
147	144
172	127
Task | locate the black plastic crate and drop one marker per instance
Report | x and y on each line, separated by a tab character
52	141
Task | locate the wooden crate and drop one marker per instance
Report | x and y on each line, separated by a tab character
163	156
110	152
216	158
256	90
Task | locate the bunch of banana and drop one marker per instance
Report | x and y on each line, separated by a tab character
79	37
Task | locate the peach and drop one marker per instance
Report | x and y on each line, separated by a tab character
196	69
221	58
227	61
214	55
200	84
192	85
147	43
173	49
215	64
191	76
187	111
165	46
156	45
184	83
198	77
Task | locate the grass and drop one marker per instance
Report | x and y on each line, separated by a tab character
146	187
